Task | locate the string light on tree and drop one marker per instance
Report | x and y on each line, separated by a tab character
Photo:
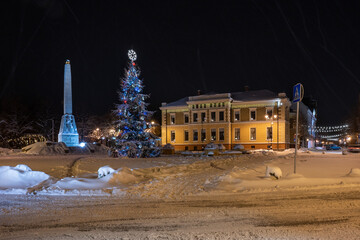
133	140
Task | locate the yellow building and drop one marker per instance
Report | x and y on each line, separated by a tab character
255	119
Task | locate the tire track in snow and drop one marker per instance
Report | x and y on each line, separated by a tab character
73	168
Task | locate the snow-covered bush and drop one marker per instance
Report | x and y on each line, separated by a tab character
221	147
168	149
104	171
211	146
23	167
238	147
273	171
210	153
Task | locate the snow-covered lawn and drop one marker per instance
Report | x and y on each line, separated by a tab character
178	197
176	176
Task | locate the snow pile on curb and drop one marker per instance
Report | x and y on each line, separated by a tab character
104	171
6	151
127	176
273	171
20	177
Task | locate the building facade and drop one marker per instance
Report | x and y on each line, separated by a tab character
254	119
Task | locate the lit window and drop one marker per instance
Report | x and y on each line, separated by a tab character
252	114
237	133
213	134
195	135
203	117
213	116
221	134
269	133
172	136
269	113
186	118
172	119
186	135
195	117
237	116
252	133
203	135
221	116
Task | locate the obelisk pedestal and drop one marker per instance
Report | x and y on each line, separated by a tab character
68	131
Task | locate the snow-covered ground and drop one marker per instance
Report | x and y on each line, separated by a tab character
178	197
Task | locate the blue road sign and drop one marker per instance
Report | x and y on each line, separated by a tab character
297	96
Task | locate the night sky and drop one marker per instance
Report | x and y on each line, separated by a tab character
214	46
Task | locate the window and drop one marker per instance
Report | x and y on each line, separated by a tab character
195	117
213	134
172	136
172	119
195	135
223	104
221	116
252	114
213	116
193	106
203	134
252	133
186	148
237	115
210	104
197	105
221	134
237	133
200	105
186	135
204	105
186	118
269	113
203	118
269	133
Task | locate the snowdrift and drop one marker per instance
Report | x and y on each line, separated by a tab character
60	148
17	178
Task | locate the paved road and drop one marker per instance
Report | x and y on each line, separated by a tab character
332	213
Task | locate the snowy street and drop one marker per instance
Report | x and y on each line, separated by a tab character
177	197
325	214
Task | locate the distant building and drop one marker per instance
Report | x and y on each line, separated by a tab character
255	119
307	125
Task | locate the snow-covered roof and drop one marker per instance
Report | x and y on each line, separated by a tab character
256	95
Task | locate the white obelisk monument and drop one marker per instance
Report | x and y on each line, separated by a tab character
68	131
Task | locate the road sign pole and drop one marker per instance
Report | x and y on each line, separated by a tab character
296	139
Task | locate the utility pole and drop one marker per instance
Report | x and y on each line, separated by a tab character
298	94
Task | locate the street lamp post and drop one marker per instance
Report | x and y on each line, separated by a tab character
202	123
271	137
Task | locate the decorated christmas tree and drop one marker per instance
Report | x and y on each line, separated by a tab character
132	117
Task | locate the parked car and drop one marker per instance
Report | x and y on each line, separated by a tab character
332	147
354	148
